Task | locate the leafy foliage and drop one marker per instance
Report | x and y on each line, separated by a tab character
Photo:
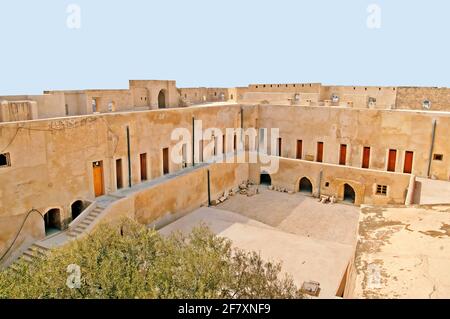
131	261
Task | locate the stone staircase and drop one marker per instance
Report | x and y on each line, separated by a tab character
85	223
34	252
42	248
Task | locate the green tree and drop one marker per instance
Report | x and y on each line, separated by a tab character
131	261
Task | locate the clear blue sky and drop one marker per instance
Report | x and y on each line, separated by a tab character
222	43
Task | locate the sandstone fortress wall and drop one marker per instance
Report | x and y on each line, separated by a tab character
49	144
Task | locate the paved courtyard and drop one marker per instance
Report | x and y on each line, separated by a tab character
298	214
314	241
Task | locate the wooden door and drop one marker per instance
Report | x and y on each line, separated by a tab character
366	157
98	178
343	154
299	149
408	162
119	178
391	160
319	152
143	161
165	161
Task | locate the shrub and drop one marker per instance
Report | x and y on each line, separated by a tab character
131	261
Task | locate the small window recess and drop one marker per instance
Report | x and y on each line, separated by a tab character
5	160
382	190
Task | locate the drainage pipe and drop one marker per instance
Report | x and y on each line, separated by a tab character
209	187
193	141
129	156
433	136
320	183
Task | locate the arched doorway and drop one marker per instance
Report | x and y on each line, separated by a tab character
77	208
162	99
52	220
265	179
305	186
349	194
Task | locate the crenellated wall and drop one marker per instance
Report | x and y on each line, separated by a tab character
413	98
154	94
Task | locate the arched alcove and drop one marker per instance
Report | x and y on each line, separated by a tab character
265	179
349	194
52	221
77	208
305	186
162	99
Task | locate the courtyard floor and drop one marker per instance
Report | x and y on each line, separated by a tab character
403	253
298	214
314	241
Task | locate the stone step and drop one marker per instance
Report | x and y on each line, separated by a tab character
81	227
14	267
77	230
92	214
40	247
39	250
27	259
29	253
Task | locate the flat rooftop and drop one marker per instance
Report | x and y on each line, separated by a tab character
304	234
403	253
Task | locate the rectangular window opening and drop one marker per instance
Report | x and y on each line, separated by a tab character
5	160
382	190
